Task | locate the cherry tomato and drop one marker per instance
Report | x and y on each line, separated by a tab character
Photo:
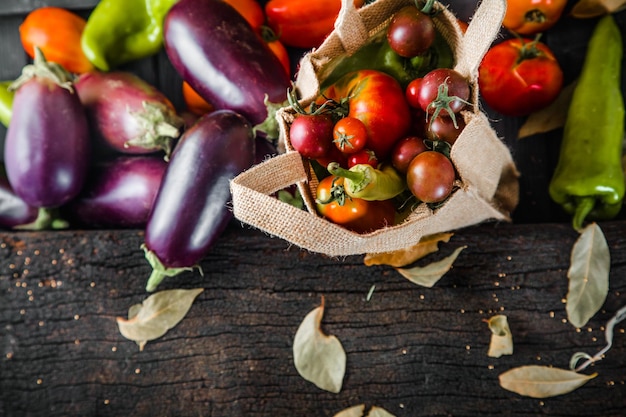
519	76
412	93
354	214
333	155
430	177
405	150
442	128
349	135
194	102
377	99
529	17
57	32
251	10
364	156
443	91
411	32
312	134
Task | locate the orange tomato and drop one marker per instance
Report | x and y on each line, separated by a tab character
57	32
194	102
529	17
251	10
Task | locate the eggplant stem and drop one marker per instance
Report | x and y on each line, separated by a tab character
160	271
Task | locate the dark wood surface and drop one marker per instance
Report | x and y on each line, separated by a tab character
411	350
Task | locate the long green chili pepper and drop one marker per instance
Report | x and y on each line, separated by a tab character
369	183
121	31
6	102
588	181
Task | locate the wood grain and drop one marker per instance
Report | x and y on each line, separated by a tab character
411	350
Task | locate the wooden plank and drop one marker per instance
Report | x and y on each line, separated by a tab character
413	351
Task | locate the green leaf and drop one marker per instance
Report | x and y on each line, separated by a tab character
156	315
588	275
501	337
542	381
319	358
428	275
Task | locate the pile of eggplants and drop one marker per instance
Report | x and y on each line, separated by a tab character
108	150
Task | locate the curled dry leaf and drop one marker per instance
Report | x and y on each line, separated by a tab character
359	411
501	337
549	118
542	381
585	9
156	315
588	275
319	358
426	245
428	275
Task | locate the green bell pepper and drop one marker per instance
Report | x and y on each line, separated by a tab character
6	102
376	54
121	31
588	181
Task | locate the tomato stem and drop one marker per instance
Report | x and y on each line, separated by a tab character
442	102
428	7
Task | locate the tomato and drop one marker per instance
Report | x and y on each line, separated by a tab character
364	156
312	134
412	93
57	32
518	76
354	214
430	177
194	102
405	150
251	10
443	89
377	99
302	23
529	17
443	128
411	32
349	135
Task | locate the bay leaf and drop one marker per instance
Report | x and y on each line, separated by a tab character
501	338
319	358
588	275
426	245
156	315
428	275
355	411
379	412
549	118
585	9
542	381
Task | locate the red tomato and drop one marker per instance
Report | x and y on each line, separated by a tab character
528	17
355	214
430	177
251	10
349	135
364	156
57	32
312	135
412	93
519	76
443	90
377	99
194	102
303	23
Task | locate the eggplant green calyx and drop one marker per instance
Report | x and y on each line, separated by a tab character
41	68
160	126
160	271
46	219
269	127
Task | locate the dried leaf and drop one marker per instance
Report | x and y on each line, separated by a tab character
501	337
428	275
379	412
549	118
426	245
588	275
586	9
156	315
542	381
355	411
319	358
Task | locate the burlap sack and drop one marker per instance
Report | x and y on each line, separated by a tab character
488	177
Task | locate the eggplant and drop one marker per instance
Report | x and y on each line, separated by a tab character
191	209
118	194
218	53
127	113
47	149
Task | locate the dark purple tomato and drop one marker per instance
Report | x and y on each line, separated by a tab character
405	150
443	91
312	134
411	32
430	177
118	194
442	128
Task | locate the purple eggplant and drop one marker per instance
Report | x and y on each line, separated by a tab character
218	53
47	149
191	209
127	113
118	194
